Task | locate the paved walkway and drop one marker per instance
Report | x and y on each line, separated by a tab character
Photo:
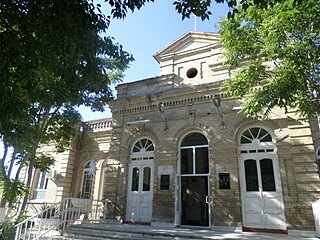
182	233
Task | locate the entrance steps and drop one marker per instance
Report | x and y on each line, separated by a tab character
122	232
90	231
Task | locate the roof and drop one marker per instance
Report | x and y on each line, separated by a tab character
187	42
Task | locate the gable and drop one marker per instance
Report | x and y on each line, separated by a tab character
189	42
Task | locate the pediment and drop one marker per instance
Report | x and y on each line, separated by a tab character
189	42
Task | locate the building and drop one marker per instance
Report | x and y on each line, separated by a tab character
178	152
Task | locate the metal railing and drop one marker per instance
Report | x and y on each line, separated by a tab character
56	217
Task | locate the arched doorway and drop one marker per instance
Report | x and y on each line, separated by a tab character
140	182
261	191
87	179
193	207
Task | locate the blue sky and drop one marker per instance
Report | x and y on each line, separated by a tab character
147	31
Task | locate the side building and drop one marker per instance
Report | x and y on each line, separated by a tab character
178	152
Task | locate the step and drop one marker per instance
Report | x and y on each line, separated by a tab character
100	231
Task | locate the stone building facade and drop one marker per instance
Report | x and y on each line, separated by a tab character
177	151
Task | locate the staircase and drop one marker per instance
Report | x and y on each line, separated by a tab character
99	231
54	219
131	232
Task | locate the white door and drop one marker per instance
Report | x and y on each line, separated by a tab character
262	200
140	192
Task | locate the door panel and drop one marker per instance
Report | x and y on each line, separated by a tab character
262	200
140	193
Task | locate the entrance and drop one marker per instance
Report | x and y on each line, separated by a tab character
193	207
140	183
261	193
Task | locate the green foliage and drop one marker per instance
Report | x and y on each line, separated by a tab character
278	49
43	162
53	59
200	8
119	8
7	230
12	189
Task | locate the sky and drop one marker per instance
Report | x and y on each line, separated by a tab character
145	32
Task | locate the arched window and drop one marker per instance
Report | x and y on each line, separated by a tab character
256	140
87	179
143	145
255	135
194	139
194	154
143	149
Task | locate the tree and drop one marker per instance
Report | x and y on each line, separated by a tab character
279	48
201	8
53	58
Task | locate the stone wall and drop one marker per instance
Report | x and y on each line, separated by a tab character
191	109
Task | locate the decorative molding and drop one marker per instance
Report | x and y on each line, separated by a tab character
97	125
174	103
139	133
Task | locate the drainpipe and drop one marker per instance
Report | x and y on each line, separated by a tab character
76	160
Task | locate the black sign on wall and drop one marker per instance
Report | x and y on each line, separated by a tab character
164	182
224	180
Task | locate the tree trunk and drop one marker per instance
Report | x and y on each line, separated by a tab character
25	198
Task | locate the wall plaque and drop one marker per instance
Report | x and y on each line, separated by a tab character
224	180
164	182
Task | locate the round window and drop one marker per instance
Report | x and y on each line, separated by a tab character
192	72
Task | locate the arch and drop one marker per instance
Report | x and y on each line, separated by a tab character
137	134
255	135
142	149
87	179
245	123
207	131
193	171
193	139
143	145
260	181
89	164
256	139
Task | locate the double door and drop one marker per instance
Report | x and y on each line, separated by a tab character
140	192
262	200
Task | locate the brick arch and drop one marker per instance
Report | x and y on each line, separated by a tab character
142	133
248	122
204	129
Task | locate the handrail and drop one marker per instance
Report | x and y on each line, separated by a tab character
55	218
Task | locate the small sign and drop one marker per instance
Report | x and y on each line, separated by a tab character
224	180
165	182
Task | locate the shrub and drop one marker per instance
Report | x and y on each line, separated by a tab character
7	230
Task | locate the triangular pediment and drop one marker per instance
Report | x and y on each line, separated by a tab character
191	41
